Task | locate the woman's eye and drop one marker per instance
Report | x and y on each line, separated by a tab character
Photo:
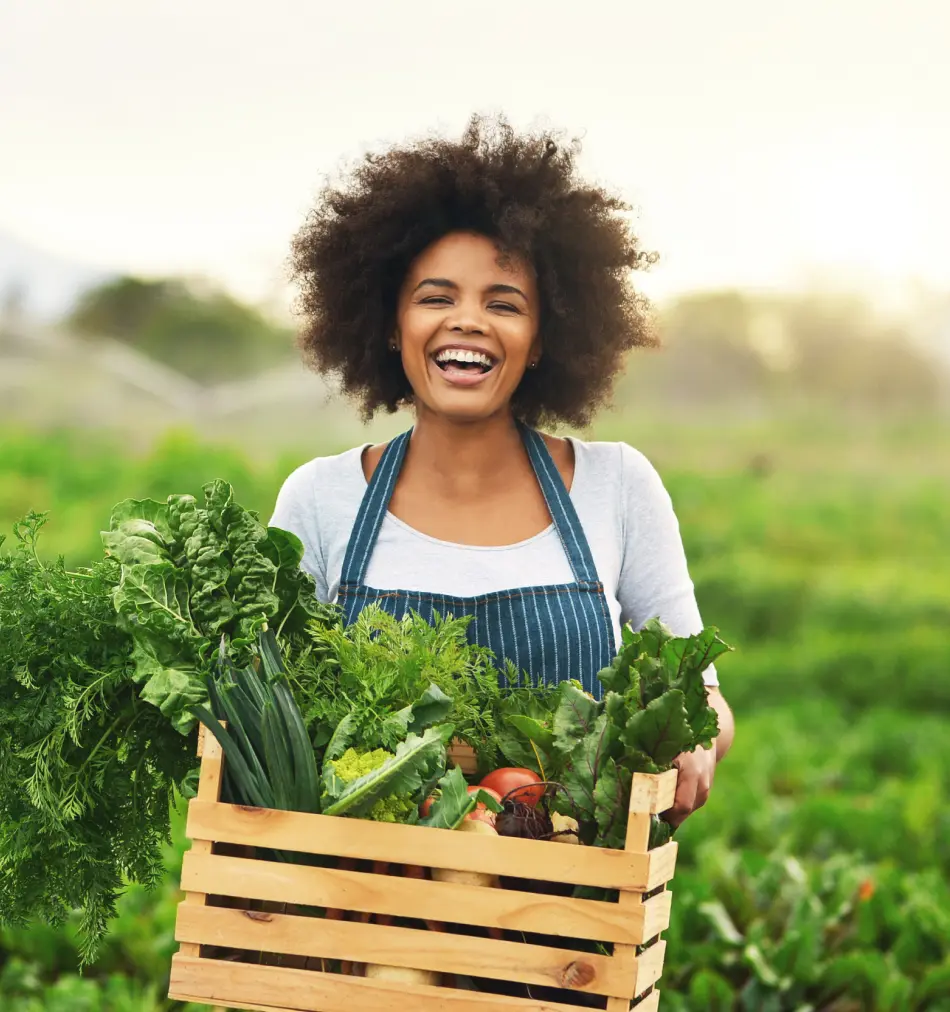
506	306
434	300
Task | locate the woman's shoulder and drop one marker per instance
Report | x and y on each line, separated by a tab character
615	464
323	483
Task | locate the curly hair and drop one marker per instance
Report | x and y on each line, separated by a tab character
357	244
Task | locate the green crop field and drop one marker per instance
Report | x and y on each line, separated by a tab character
817	876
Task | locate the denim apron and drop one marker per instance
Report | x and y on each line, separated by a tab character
552	632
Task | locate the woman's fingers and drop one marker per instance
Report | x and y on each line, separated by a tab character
686	788
693	784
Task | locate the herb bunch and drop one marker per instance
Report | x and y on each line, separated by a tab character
87	769
375	671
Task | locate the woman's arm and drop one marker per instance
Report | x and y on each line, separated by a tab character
697	769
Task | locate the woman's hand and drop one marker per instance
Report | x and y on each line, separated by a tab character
698	768
696	772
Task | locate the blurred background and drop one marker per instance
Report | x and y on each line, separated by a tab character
789	164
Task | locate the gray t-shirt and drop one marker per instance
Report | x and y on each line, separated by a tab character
620	499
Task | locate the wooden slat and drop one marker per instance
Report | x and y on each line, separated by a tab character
418	845
642	794
440	952
649	966
649	1004
242	985
653	792
405	897
662	865
209	790
656	916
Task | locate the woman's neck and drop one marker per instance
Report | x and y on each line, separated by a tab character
470	458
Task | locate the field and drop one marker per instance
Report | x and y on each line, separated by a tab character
816	878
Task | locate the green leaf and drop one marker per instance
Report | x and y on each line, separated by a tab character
534	731
430	708
395	727
413	764
277	753
611	804
662	730
342	738
156	595
515	749
155	513
452	803
574	717
135	541
306	777
175	691
621	675
587	761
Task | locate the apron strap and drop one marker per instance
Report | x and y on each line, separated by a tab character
372	511
566	521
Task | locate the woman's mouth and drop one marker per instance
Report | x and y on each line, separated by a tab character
463	366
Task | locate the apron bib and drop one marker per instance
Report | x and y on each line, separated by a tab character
553	632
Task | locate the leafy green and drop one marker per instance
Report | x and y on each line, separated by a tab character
654	709
191	574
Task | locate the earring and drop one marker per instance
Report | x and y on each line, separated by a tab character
532	365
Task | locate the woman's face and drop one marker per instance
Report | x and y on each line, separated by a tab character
467	327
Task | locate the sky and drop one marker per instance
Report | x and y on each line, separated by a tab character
763	144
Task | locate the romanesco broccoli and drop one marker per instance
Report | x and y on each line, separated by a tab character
353	764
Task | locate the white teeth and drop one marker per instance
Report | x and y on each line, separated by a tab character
460	355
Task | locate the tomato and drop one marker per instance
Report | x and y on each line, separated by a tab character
426	806
509	779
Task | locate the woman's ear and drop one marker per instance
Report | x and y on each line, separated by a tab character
534	356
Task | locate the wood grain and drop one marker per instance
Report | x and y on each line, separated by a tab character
397	896
242	985
410	947
377	841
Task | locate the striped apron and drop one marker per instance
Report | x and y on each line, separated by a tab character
552	632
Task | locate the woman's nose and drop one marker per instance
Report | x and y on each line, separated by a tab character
467	318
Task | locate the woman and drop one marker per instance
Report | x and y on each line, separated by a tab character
484	285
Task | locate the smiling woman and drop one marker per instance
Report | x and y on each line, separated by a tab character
467	327
484	285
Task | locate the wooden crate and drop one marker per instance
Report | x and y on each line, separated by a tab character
236	906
